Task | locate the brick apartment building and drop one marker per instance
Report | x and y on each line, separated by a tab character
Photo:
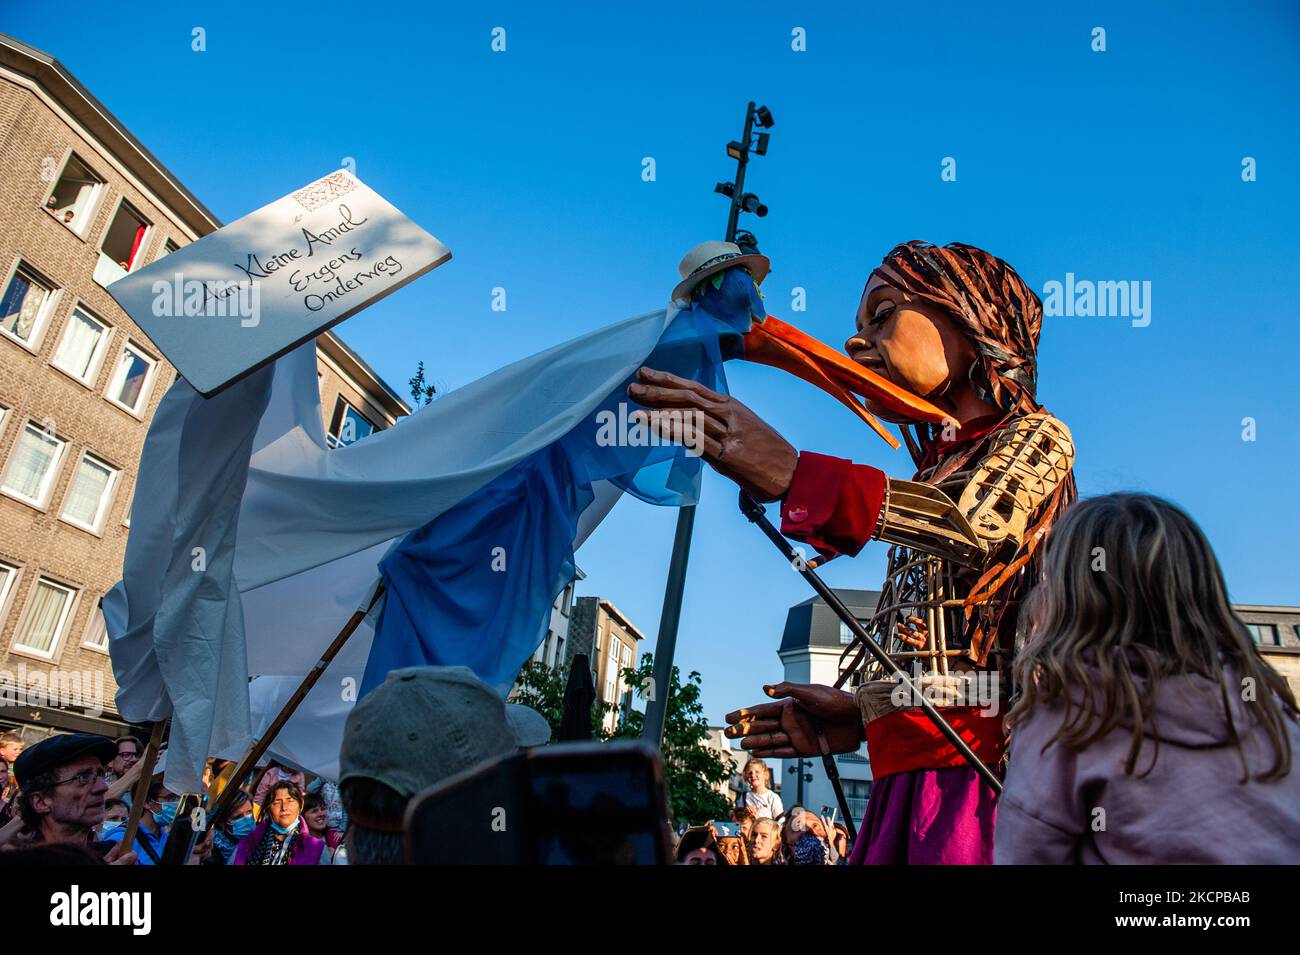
81	203
610	640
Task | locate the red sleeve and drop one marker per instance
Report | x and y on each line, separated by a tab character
832	504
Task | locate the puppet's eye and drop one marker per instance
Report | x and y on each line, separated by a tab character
881	314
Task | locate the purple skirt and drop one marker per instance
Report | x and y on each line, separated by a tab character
928	817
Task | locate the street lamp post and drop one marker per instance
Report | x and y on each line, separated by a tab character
801	777
675	587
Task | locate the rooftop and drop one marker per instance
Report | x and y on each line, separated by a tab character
813	623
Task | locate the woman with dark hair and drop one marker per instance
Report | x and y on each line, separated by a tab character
1145	706
315	814
239	822
959	328
281	838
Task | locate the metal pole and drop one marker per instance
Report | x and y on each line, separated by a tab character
666	643
754	511
675	587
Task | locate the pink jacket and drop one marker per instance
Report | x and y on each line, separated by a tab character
1062	807
307	849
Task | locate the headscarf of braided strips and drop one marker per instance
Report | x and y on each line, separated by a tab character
1004	318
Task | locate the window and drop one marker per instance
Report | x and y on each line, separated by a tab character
33	465
81	349
129	386
96	632
123	247
846	635
611	671
46	617
26	301
347	426
73	200
126	511
88	497
8	576
857	792
1264	633
168	247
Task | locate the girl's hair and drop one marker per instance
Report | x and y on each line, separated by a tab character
1132	594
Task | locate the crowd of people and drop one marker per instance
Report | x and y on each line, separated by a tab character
1140	695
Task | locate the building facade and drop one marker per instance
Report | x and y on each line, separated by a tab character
82	202
610	641
553	651
811	644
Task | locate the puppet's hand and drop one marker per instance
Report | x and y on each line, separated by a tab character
730	437
785	729
914	633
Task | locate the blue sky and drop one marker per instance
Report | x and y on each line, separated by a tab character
1122	165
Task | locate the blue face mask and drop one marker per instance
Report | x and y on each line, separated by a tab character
242	826
280	830
166	813
108	825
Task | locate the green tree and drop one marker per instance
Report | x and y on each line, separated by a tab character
692	769
422	391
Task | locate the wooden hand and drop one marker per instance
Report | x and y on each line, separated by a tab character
785	728
914	633
730	437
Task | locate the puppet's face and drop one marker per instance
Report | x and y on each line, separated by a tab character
912	343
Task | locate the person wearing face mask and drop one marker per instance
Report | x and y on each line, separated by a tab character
281	837
240	822
159	813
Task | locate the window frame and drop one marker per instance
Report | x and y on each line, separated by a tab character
105	500
341	407
146	390
9	587
36	277
1257	638
60	630
96	613
102	347
51	478
80	225
145	240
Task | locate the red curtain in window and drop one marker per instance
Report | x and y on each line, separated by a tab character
135	246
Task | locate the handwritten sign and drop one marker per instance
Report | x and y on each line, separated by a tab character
224	306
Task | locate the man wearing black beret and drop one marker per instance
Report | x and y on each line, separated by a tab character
62	782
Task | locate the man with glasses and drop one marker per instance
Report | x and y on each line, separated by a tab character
62	782
128	754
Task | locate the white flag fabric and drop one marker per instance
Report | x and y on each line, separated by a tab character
252	541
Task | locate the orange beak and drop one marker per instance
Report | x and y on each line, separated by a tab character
773	342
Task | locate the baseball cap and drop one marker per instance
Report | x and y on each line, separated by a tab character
55	751
426	724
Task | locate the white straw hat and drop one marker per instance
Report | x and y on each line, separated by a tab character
714	256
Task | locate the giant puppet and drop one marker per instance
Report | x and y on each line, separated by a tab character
953	329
